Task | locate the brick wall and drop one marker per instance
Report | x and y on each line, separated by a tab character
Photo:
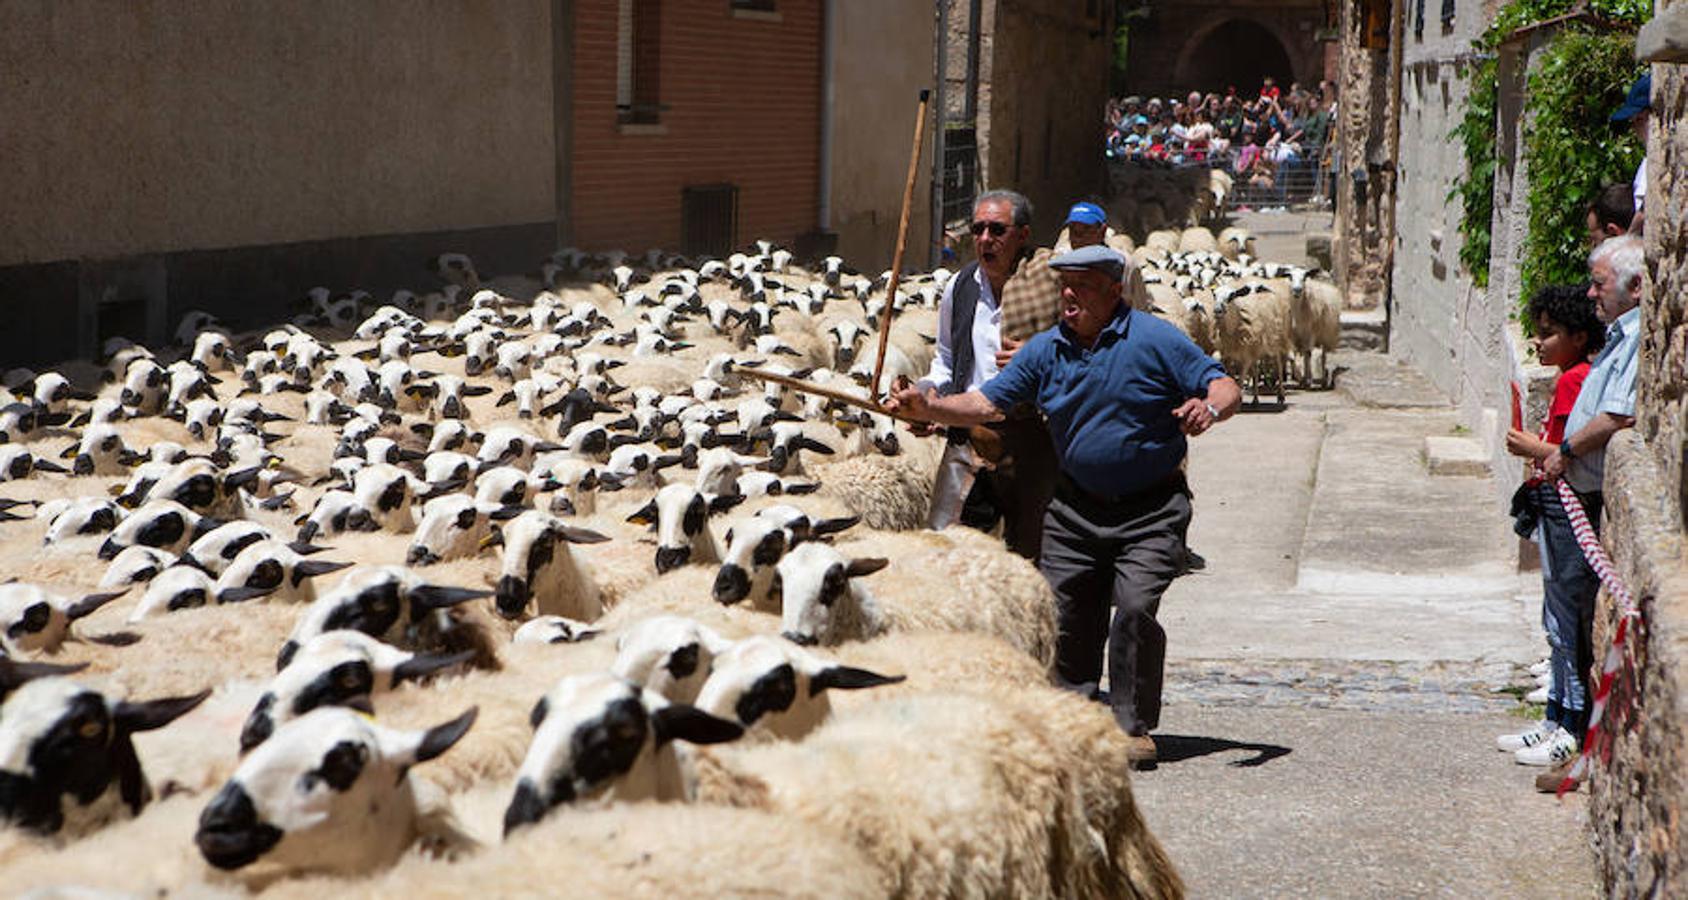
741	100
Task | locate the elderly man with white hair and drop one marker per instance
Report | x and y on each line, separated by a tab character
1605	406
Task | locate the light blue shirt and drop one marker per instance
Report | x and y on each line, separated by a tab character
1609	388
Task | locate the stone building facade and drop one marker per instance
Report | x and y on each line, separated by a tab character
1180	46
1639	797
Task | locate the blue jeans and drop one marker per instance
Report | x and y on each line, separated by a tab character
1569	589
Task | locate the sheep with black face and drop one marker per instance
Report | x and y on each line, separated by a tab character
328	792
679	515
391	603
599	739
162	524
671	655
34	618
540	569
337	668
778	688
67	758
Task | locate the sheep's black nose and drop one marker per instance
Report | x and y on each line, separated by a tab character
420	556
84	464
525	808
670	558
230	835
732	584
109	550
513	596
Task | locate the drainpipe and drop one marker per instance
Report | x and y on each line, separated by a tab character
829	50
940	53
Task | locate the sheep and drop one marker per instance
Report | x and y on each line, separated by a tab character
135	565
1253	327
600	738
1197	240
328	792
670	655
335	512
185	587
755	545
276	568
33	618
1315	321
778	688
218	547
538	567
18	463
70	765
454	526
336	668
940	581
888	492
1234	242
163	524
553	630
679	515
79	517
391	603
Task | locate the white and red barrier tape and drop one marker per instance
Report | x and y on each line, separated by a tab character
1627	611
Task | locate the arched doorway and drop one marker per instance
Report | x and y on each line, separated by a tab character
1238	53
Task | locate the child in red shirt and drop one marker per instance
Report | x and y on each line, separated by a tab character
1567	332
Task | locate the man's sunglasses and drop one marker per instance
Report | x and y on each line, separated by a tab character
997	229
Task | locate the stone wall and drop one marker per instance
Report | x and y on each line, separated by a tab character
1459	335
1639	798
1362	168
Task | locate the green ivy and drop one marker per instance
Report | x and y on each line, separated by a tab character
1572	150
1476	134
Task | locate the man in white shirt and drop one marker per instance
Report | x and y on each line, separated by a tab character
1638	112
970	351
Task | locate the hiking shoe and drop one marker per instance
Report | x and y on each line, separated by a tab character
1512	743
1548	782
1558	748
1539	695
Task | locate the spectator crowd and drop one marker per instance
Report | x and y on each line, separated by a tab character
1275	143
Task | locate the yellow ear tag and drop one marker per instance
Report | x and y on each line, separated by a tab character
273	462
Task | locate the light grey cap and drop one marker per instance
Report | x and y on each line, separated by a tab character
1096	256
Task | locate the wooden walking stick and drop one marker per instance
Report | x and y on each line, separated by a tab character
902	243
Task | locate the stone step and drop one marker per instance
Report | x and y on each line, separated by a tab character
1448	455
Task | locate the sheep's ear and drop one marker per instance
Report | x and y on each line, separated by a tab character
507	398
311	568
581	535
645	515
804	442
14	673
849	678
410	747
68	452
90	603
431	596
424	664
833	526
242	594
147	715
688	723
422	429
724	502
540	709
865	566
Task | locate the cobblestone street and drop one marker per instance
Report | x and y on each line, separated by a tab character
1337	675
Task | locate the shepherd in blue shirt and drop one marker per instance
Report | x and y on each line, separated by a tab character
1121	390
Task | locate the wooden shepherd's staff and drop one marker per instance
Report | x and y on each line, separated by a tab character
902	243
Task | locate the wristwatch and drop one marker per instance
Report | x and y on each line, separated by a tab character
1212	411
1565	449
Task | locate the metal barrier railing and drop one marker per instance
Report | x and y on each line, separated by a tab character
1260	176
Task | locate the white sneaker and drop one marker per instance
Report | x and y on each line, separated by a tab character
1539	695
1551	752
1512	743
1541	667
1545	679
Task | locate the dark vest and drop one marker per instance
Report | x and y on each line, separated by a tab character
964	303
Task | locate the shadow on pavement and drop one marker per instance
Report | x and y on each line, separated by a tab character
1176	748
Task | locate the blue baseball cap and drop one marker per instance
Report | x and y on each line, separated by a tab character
1096	256
1087	214
1640	98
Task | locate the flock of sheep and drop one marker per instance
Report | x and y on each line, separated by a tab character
520	587
523	584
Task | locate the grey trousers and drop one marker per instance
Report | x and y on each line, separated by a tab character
1116	557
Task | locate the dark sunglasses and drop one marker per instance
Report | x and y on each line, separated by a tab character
997	229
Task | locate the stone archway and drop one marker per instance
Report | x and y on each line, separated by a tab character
1236	52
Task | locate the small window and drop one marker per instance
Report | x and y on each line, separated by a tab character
638	62
709	220
754	5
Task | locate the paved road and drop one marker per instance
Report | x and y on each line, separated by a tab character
1331	699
